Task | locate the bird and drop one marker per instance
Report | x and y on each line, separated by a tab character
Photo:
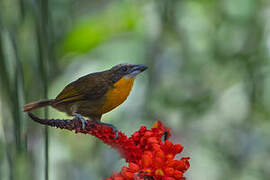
94	94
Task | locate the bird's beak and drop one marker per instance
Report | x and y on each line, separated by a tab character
139	67
136	69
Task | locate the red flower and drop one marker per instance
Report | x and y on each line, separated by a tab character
147	156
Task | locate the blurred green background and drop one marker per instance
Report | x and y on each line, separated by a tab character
208	79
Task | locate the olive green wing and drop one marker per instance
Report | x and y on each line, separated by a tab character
89	87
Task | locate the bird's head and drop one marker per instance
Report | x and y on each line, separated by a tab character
126	70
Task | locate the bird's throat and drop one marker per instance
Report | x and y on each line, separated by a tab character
117	94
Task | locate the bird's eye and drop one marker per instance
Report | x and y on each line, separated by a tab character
124	69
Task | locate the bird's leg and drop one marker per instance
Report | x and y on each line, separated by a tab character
112	126
83	121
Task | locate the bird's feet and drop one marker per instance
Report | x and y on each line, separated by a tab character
112	126
83	121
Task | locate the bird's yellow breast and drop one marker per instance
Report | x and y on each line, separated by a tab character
118	94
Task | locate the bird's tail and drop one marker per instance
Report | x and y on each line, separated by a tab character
37	104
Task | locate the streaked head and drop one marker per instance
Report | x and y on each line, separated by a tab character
127	70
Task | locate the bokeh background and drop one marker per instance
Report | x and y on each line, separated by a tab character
208	79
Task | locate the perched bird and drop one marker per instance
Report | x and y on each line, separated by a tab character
94	94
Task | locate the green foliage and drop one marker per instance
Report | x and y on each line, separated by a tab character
92	31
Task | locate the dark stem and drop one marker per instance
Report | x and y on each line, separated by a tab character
18	86
42	34
69	124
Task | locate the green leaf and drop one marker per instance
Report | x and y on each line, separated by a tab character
92	31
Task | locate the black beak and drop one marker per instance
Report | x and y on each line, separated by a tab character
139	67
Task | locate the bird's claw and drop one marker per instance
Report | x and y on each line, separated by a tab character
83	121
113	128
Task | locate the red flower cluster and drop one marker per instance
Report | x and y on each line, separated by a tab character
147	156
